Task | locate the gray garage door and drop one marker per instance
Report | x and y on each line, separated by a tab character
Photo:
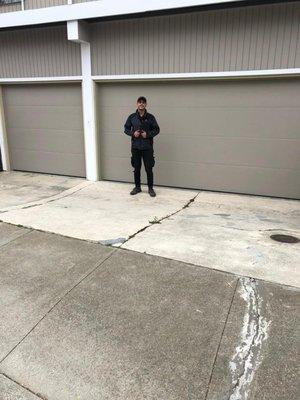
45	128
238	136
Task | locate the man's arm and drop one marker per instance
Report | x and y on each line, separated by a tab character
154	128
128	127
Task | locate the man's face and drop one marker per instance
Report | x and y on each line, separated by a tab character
141	105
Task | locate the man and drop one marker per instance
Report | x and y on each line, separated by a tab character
142	127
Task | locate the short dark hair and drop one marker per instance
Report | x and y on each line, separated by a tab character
142	98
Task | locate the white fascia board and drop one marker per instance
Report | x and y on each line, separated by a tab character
41	79
201	75
95	9
188	75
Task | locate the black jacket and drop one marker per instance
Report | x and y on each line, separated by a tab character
147	123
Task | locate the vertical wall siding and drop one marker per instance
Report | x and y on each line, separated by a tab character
81	1
38	52
32	4
248	38
5	8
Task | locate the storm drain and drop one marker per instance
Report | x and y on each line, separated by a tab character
285	238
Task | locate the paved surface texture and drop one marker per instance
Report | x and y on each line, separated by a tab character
222	231
101	211
10	390
231	233
83	321
36	270
17	188
261	342
9	233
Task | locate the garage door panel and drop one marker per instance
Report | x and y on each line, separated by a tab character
46	140
235	151
234	122
117	169
212	121
238	136
32	95
270	182
33	161
256	93
45	128
256	152
43	117
115	145
113	120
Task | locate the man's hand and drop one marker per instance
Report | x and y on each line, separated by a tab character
136	134
144	134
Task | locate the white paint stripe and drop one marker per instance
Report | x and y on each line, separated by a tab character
248	355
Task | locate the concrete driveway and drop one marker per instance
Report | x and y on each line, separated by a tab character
79	320
23	188
221	231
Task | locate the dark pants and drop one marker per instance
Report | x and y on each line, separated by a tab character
136	161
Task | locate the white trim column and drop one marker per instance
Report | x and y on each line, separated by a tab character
89	116
3	137
78	32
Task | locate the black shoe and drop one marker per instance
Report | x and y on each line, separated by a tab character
136	190
151	192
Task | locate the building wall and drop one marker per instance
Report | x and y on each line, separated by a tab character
38	52
248	38
34	4
244	38
5	8
80	1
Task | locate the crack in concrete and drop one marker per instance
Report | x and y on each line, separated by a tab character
39	395
158	221
247	357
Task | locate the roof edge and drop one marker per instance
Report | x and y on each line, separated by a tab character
99	9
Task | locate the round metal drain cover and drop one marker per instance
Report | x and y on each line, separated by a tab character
285	238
